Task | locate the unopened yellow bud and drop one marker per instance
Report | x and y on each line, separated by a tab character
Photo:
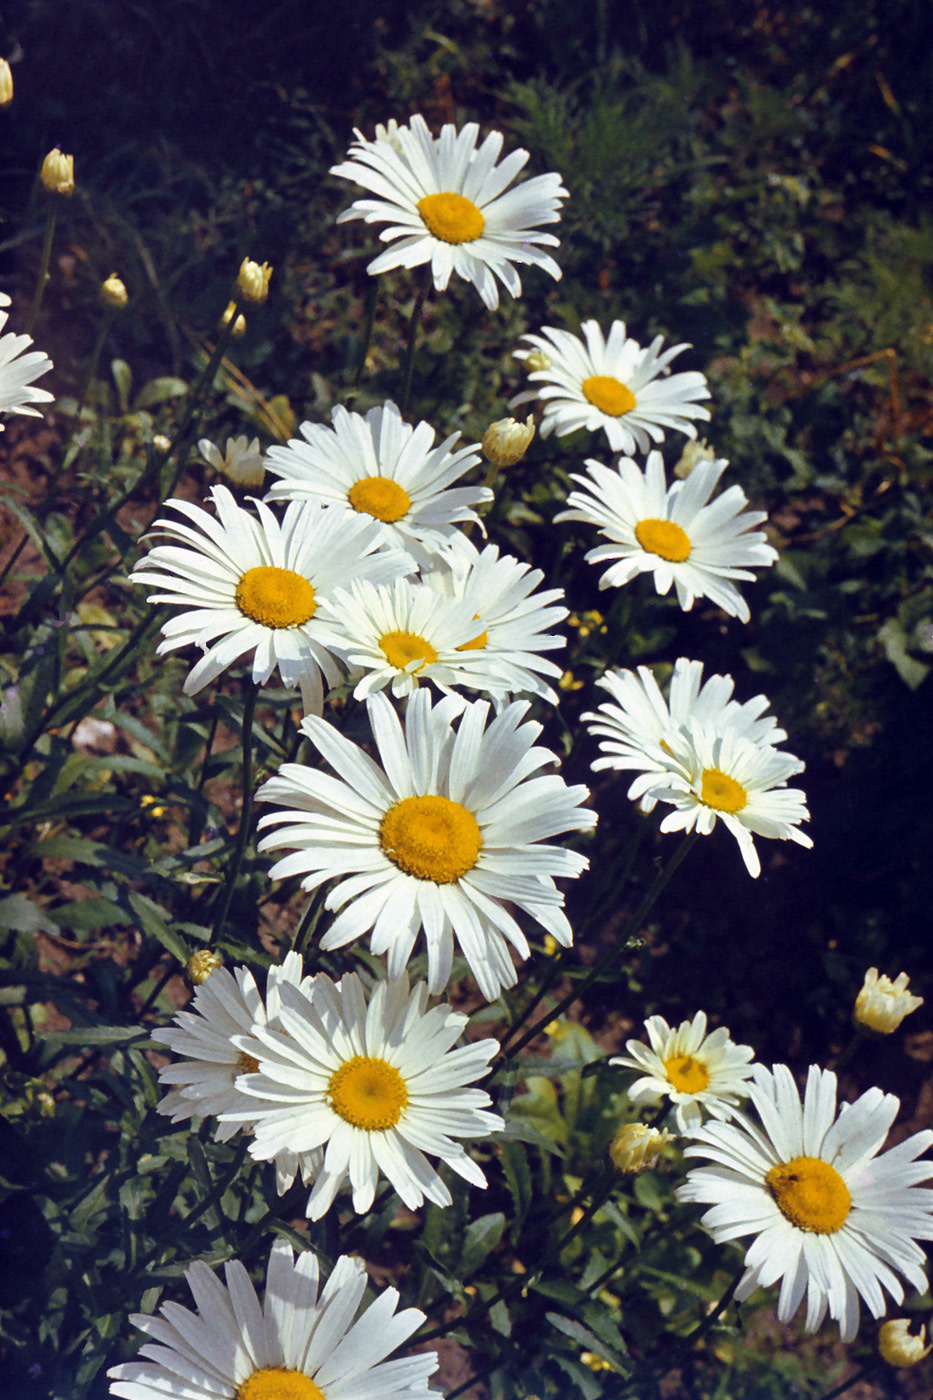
239	325
113	293
6	84
881	1005
200	966
900	1345
536	359
58	172
506	441
636	1147
252	284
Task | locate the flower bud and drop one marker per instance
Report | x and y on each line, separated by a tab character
693	454
239	325
536	359
58	172
506	441
161	443
636	1147
241	463
201	964
899	1346
881	1005
6	84
252	284
113	293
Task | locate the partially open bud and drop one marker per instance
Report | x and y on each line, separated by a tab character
201	965
693	454
58	172
901	1346
536	359
239	325
506	441
252	284
881	1005
113	293
636	1147
241	463
6	84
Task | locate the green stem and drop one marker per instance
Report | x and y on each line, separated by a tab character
598	968
372	299
413	325
43	265
687	1346
860	1375
848	1053
246	811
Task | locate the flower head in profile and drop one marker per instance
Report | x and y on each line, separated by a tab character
833	1217
241	461
903	1342
675	533
881	1004
250	583
372	1083
383	469
613	384
636	1148
447	203
635	725
252	283
506	441
58	172
700	1074
19	369
300	1343
446	837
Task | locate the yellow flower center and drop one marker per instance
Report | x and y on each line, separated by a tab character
402	648
431	838
477	643
686	1075
381	497
609	395
246	1064
275	597
718	790
810	1194
279	1383
369	1093
451	217
664	538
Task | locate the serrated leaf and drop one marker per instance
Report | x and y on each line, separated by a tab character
479	1240
586	1338
518	1179
153	920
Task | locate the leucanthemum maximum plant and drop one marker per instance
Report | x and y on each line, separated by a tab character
448	203
375	1083
19	366
700	1074
677	533
447	837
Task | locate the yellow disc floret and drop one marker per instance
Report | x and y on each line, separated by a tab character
608	394
369	1093
451	217
718	790
686	1074
275	597
279	1383
810	1194
381	497
402	648
664	538
431	838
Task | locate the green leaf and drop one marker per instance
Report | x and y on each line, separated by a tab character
894	640
518	1179
158	390
95	1035
153	920
480	1239
588	1340
20	915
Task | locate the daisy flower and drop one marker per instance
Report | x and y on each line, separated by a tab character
694	1070
250	583
611	384
387	471
734	779
241	462
449	205
675	533
446	837
301	1342
18	370
634	726
401	635
512	619
377	1083
831	1217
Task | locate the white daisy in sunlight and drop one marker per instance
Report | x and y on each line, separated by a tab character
447	837
300	1343
677	534
382	468
252	584
634	726
700	1074
612	384
731	778
512	620
19	366
832	1218
376	1083
447	203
